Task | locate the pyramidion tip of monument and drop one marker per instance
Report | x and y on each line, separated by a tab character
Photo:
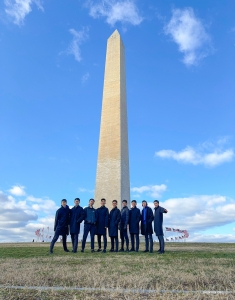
115	33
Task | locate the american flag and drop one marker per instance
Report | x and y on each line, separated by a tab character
176	238
168	229
174	230
167	240
172	239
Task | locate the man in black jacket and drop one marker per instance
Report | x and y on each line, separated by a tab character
61	226
102	222
114	219
134	220
146	226
123	226
158	220
89	224
76	217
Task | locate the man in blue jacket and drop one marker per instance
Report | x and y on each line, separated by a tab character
89	224
146	226
61	226
123	226
134	229
76	217
102	222
114	219
158	220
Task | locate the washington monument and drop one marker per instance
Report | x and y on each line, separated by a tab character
112	175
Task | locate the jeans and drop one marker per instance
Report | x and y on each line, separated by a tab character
74	238
88	228
124	235
161	242
116	242
104	239
149	242
135	241
55	238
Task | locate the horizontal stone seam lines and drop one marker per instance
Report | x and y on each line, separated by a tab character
134	291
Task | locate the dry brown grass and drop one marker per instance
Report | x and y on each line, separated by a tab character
190	267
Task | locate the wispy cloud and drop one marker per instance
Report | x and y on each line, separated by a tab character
154	191
206	154
124	11
17	10
189	33
17	190
85	77
83	190
78	38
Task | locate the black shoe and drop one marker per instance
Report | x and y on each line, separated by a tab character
82	250
51	252
158	250
151	251
67	250
104	251
92	250
74	251
136	250
131	250
145	251
111	250
127	250
99	250
162	252
121	250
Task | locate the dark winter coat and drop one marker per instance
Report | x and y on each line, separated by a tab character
114	219
134	219
147	228
158	219
124	218
61	225
76	217
89	215
102	215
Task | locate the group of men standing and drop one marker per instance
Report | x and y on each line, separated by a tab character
98	221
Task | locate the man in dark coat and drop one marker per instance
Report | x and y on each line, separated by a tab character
76	217
102	222
158	220
123	226
61	226
114	219
134	229
146	226
89	224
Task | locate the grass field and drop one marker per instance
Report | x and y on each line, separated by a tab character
184	267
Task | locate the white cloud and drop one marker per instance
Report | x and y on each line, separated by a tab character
124	11
78	38
85	77
19	9
154	191
83	190
17	190
189	155
188	32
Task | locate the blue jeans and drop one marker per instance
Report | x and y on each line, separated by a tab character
88	228
161	242
148	242
74	238
135	241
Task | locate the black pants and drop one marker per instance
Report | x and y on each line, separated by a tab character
135	241
104	239
124	236
55	238
88	228
149	242
116	242
161	242
74	239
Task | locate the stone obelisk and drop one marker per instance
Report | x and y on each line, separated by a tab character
112	176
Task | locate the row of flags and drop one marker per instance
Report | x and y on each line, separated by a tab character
182	234
41	236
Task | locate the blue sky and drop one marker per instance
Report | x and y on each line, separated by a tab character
180	92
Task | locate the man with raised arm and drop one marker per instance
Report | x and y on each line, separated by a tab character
76	217
61	226
102	222
89	224
158	221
